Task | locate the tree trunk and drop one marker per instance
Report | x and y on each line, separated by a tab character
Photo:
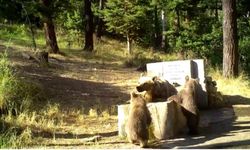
178	24
157	37
33	36
216	10
89	27
163	40
50	35
129	44
49	30
100	22
230	41
31	29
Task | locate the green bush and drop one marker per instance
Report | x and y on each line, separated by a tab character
16	95
244	48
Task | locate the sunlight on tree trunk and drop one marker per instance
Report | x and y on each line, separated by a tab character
163	19
230	41
129	45
157	35
50	36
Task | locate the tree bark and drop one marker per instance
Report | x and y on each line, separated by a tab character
89	26
49	30
216	10
230	41
33	36
163	40
50	35
157	36
129	44
99	31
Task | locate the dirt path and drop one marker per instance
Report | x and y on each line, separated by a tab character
76	83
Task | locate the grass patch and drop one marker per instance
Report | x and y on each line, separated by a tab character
105	51
17	99
235	90
33	125
16	95
20	35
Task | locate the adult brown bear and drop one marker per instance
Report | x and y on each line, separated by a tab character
156	89
139	120
187	98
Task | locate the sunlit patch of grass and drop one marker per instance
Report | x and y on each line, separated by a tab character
233	86
15	94
106	51
142	57
111	51
93	112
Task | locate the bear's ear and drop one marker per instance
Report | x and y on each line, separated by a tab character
154	78
187	78
133	94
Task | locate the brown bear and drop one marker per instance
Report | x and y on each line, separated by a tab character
156	89
187	98
139	120
215	98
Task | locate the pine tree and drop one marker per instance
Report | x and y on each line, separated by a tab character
124	17
230	40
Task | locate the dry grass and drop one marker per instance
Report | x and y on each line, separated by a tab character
234	90
233	86
53	126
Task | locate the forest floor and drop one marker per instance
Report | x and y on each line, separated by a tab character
94	87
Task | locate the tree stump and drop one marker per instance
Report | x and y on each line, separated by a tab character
42	57
167	120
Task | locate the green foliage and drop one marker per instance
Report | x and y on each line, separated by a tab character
142	57
244	46
16	95
243	24
70	23
9	10
124	17
11	139
200	34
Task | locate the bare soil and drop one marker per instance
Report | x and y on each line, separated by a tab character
78	83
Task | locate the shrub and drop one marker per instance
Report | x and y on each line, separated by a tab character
16	95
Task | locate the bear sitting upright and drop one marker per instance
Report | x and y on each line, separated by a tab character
139	120
187	98
156	89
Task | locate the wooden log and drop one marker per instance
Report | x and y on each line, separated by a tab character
41	57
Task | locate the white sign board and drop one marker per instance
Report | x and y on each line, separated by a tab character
176	71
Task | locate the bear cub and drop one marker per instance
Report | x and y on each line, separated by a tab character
139	120
187	98
156	89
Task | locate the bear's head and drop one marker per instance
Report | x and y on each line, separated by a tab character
191	81
136	98
145	84
192	85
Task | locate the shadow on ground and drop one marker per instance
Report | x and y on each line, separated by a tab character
77	94
236	99
210	137
230	132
